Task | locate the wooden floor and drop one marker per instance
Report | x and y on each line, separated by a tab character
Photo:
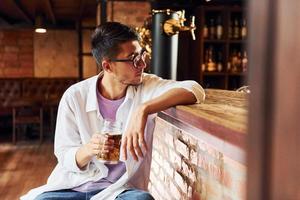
24	166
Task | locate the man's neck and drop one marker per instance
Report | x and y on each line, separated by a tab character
111	89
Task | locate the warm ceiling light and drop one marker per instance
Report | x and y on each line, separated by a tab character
39	24
40	30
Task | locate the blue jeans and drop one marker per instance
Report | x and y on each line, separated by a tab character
130	194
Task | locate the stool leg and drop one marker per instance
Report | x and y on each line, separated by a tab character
51	119
14	126
41	125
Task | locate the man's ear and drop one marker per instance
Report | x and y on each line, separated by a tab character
106	65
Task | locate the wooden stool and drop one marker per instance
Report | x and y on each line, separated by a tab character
27	111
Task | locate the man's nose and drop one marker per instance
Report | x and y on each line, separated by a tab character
141	64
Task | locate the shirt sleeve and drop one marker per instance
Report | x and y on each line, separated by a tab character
67	137
154	86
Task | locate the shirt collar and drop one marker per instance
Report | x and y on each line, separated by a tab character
92	103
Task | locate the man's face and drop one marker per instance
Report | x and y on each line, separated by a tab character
127	72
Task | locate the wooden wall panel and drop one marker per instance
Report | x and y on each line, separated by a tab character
274	136
285	172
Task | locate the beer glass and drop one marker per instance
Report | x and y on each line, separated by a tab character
114	130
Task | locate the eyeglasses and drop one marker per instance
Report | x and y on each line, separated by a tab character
136	59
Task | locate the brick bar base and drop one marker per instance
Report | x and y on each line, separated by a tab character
187	167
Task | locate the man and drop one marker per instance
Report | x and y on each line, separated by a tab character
121	92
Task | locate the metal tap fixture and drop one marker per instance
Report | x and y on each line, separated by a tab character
173	26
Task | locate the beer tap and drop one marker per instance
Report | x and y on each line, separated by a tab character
173	26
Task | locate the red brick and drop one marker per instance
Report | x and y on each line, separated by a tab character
11	49
130	12
153	177
182	148
226	179
155	155
25	42
9	41
189	192
10	56
215	171
168	169
169	140
174	157
10	34
26	64
26	34
174	191
158	157
25	57
180	181
194	157
196	196
202	162
156	142
12	64
154	193
187	170
155	167
163	191
26	49
164	149
202	146
161	174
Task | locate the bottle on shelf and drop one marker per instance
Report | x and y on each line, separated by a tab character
244	62
204	64
219	31
205	31
234	61
211	64
219	62
212	29
236	29
230	30
239	62
244	29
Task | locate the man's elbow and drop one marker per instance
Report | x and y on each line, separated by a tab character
198	92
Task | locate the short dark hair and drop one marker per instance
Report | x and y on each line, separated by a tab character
107	38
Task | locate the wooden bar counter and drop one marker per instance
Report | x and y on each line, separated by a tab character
199	150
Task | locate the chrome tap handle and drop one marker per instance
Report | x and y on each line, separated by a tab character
193	27
182	18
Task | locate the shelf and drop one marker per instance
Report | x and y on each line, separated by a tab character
206	73
225	50
237	74
214	41
237	41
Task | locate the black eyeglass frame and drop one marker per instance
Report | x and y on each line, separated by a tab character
135	59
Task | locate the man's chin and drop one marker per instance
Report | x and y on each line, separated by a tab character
136	82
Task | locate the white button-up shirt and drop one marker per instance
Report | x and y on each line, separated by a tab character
79	118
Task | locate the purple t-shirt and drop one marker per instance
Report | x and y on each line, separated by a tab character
108	109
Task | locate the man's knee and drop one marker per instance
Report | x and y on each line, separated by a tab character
44	196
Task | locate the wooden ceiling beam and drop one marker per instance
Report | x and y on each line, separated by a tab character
5	20
50	10
22	11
